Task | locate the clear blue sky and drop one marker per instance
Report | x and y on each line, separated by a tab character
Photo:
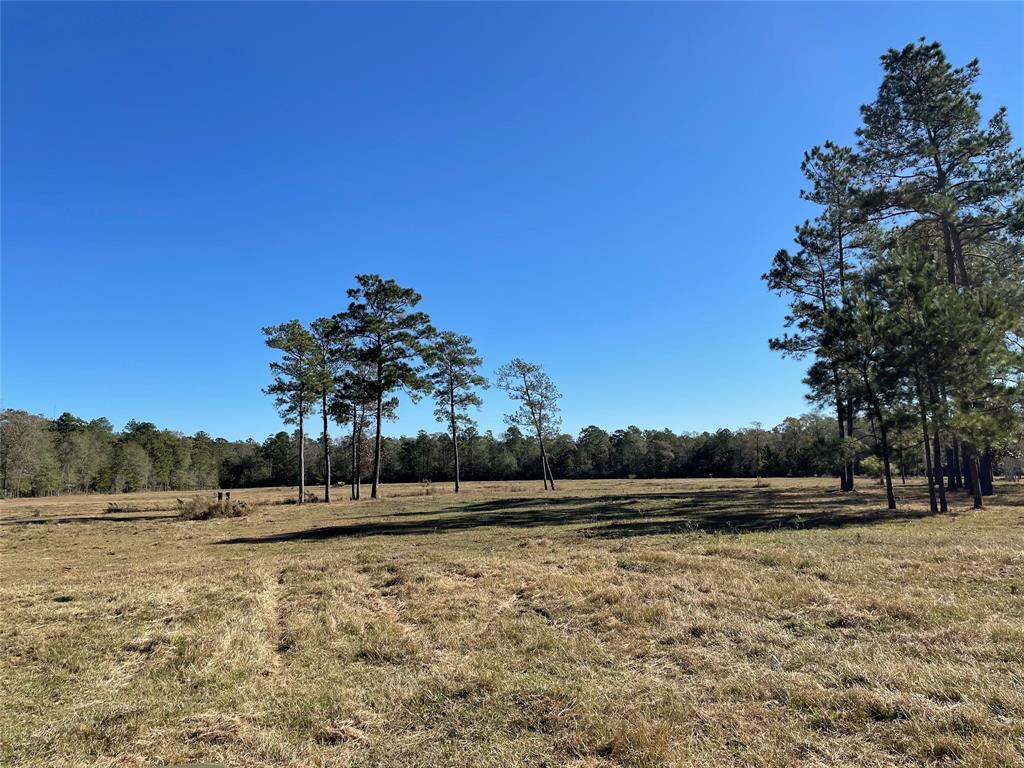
593	187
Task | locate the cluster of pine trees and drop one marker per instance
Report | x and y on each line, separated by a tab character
907	288
352	365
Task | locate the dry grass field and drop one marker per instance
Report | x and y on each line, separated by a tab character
619	623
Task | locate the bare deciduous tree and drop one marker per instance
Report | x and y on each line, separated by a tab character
528	384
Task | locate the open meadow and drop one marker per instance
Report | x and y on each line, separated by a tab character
773	248
634	623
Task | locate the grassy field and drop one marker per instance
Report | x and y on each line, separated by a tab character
633	623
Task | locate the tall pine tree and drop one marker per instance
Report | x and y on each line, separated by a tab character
454	362
294	386
390	339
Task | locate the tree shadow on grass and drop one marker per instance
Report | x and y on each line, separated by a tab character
103	518
740	510
729	523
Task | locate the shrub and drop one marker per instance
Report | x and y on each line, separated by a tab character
872	467
310	498
199	508
113	508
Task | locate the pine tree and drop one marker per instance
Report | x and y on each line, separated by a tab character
390	338
817	278
294	384
331	351
453	362
867	336
935	169
928	155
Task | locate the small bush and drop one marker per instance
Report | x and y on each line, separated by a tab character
198	508
114	508
872	467
309	498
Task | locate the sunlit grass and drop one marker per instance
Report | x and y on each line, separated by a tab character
634	623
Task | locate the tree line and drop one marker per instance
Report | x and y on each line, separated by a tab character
41	456
906	289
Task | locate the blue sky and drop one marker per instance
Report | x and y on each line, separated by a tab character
593	187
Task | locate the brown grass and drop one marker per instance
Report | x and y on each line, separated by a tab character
625	623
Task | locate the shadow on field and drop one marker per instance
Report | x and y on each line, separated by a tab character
620	515
102	518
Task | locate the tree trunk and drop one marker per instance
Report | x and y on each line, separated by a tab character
958	251
940	483
947	245
327	452
883	433
890	497
952	244
849	433
455	435
302	455
544	460
952	453
844	480
354	491
455	445
932	503
359	456
975	475
551	475
377	445
985	473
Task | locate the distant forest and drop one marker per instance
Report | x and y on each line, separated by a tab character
41	456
